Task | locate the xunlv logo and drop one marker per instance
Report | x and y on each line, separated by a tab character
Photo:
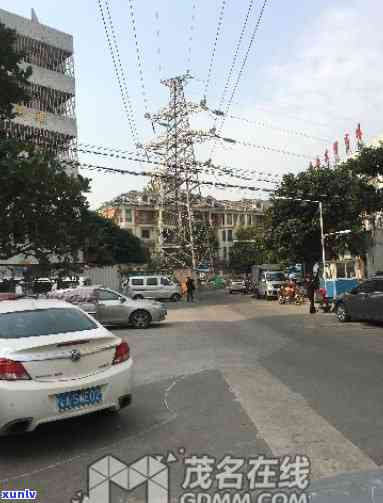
24	494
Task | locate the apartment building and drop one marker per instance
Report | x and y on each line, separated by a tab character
48	119
138	212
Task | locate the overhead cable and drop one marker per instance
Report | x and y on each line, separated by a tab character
120	74
212	56
236	53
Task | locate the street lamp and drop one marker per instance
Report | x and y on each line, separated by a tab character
322	235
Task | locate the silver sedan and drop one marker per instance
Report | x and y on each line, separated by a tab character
112	308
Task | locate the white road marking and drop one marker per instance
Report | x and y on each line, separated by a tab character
289	425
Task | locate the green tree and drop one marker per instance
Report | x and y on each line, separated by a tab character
348	195
14	75
205	239
249	248
108	244
42	209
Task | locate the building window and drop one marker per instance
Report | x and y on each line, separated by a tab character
224	253
248	219
242	219
259	219
145	233
146	217
230	235
235	217
223	235
229	219
128	216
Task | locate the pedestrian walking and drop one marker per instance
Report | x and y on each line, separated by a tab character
312	286
190	287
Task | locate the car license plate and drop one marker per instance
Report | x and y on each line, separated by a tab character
80	398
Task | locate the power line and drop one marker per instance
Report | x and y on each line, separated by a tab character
138	55
126	101
244	61
217	34
213	135
240	173
158	33
236	53
206	168
154	174
191	36
269	149
243	65
268	125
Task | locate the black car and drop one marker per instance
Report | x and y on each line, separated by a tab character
364	302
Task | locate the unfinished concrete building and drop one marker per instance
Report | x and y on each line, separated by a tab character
49	119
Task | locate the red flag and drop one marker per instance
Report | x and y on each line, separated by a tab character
359	134
335	148
347	142
326	157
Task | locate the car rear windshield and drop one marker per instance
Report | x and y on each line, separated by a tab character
275	276
43	322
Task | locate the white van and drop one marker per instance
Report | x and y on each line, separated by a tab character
153	287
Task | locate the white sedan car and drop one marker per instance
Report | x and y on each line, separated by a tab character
57	362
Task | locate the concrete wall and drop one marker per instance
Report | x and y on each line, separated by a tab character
375	253
53	80
108	276
45	120
38	31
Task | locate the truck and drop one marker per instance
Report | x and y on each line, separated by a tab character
267	280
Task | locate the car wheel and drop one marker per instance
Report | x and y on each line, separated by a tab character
138	297
176	297
341	313
140	318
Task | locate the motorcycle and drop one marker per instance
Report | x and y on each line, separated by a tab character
324	301
290	295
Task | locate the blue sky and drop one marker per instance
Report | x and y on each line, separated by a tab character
315	69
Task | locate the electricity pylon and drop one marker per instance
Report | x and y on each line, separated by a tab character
178	183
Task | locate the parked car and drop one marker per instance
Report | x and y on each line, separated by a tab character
112	308
7	295
236	285
154	287
364	302
57	362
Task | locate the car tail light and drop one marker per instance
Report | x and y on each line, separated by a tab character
122	353
12	371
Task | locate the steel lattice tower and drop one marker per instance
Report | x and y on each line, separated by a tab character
178	184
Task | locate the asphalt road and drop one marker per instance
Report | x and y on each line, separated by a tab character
225	375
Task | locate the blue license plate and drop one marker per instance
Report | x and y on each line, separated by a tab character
79	398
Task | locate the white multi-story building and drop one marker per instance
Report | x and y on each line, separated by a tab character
138	212
48	119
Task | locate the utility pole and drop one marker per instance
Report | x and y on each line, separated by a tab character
322	238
